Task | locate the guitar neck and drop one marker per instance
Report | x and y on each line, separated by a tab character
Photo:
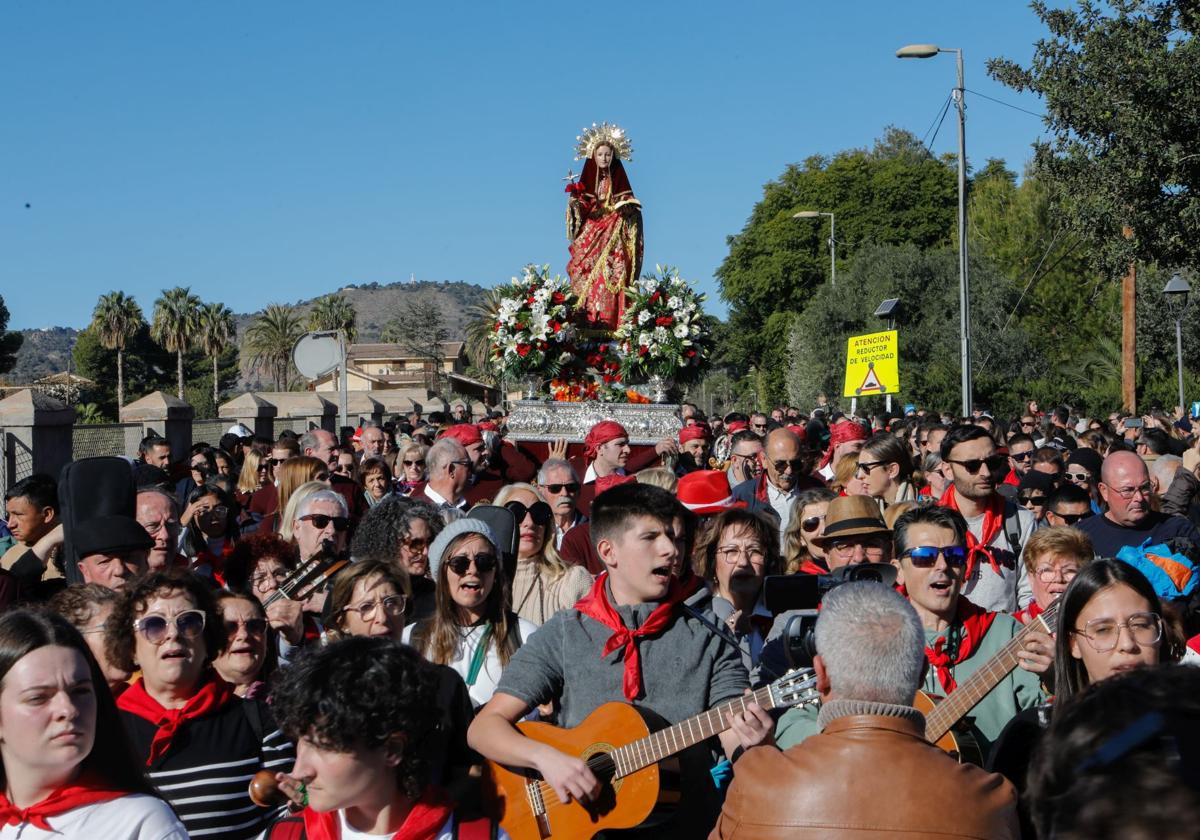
969	692
666	742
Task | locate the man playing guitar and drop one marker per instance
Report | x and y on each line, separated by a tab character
631	640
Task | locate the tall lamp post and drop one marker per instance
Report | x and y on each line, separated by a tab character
964	292
816	214
1176	292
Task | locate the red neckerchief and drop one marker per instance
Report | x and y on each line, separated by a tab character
812	566
1029	613
975	622
86	790
215	563
993	518
213	695
760	489
428	815
595	605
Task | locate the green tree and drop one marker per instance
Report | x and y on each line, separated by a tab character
334	312
175	323
417	326
215	332
895	193
1118	81
10	342
116	321
269	341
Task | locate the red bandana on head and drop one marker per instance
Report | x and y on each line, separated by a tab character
975	622
86	790
213	695
601	434
993	518
696	432
595	605
428	815
841	432
464	433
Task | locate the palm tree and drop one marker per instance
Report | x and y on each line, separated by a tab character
270	339
215	331
481	326
175	323
116	320
334	312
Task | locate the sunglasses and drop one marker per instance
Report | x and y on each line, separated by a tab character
254	626
995	464
759	426
188	624
781	466
925	556
484	563
1072	518
812	523
1032	500
540	511
1079	476
320	521
554	489
1021	456
420	463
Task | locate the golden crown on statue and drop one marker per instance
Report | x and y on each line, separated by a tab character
604	134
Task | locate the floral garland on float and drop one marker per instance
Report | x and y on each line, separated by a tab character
662	336
533	334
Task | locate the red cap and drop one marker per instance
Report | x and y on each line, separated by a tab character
601	434
799	431
706	491
464	433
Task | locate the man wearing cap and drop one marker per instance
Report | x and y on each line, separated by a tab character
855	533
786	474
694	444
607	451
112	550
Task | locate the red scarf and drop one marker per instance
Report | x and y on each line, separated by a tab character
975	622
595	605
86	790
428	815
213	695
1029	613
993	518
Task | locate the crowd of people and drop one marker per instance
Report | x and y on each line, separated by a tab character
330	636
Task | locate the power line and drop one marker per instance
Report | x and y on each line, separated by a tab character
933	139
937	120
1005	104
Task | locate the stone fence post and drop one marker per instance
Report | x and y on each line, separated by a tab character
165	415
253	412
36	436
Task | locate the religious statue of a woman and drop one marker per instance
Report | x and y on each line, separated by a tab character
604	224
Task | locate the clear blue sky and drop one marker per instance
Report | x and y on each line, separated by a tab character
270	151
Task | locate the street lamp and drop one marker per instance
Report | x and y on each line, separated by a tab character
816	214
1176	292
964	292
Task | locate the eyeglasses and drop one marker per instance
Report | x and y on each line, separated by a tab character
782	466
393	605
418	463
217	510
188	624
731	554
540	511
743	454
1079	477
1072	518
254	626
571	487
925	556
1103	633
484	563
865	467
1056	574
415	545
460	463
1032	500
812	523
1128	493
320	521
1021	456
994	463
260	580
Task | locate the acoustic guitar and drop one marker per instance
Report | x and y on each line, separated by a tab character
617	744
941	715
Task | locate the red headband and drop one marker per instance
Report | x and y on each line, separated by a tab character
601	434
737	426
696	432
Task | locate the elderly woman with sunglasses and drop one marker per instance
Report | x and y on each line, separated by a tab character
472	629
200	743
542	584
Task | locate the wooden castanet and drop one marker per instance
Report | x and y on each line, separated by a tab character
961	745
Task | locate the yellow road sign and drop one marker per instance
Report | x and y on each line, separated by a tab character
872	364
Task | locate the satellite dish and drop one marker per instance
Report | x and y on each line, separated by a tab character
317	353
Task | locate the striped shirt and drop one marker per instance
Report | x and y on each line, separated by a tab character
206	773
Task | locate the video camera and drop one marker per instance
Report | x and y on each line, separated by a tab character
802	594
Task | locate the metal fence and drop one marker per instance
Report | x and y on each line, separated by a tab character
209	431
105	439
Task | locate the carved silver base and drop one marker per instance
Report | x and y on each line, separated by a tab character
545	421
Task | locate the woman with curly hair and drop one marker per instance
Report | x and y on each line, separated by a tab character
199	742
542	584
65	767
361	711
399	530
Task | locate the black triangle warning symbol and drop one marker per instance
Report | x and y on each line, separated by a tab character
871	383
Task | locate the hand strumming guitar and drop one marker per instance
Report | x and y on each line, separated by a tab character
570	777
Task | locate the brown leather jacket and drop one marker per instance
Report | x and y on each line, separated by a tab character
864	776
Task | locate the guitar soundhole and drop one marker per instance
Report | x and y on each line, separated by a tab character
604	768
